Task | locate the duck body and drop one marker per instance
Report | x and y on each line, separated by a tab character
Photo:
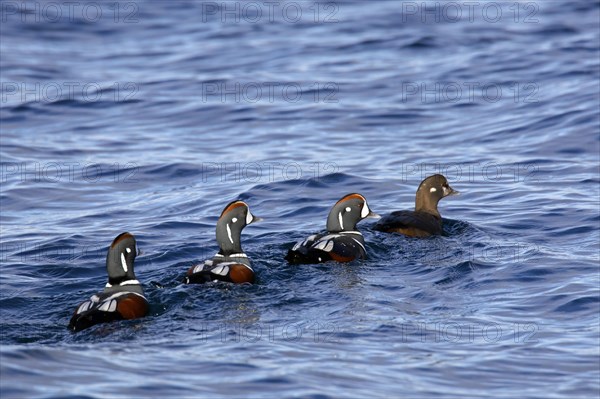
344	246
124	303
410	223
233	268
123	297
342	242
425	220
230	264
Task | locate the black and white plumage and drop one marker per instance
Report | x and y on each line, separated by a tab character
122	298
342	242
230	264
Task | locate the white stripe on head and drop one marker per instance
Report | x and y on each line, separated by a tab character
249	217
123	262
229	233
341	220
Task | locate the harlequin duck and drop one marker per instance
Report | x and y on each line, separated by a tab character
425	220
342	242
230	264
122	297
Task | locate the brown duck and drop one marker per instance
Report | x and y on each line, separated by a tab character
425	220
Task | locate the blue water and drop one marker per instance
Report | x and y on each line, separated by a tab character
152	116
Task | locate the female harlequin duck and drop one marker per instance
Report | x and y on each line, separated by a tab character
342	242
230	264
122	297
425	220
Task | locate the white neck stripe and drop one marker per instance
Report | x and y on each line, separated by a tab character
237	255
126	282
351	232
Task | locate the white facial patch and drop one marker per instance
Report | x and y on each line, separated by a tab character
123	262
446	191
432	190
234	220
249	217
128	250
365	211
348	209
229	233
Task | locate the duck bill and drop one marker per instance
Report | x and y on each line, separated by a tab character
256	219
451	192
374	215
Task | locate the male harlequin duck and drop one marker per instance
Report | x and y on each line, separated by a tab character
230	264
342	242
425	220
122	297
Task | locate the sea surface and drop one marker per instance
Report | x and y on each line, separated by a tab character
150	116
